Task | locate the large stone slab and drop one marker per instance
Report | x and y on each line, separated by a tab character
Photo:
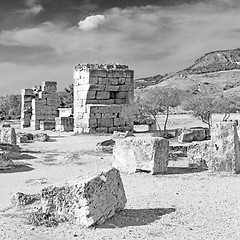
8	135
189	135
132	154
89	202
225	152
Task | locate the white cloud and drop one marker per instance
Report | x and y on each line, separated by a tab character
33	8
151	40
92	22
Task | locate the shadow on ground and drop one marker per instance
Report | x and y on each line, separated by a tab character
135	217
184	170
17	168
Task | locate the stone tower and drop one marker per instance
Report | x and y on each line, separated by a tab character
101	92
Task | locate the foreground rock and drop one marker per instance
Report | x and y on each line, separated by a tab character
189	135
117	134
21	199
225	149
23	137
41	137
220	154
89	202
5	162
8	135
106	146
150	154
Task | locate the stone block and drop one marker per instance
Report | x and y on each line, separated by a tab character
102	95
121	95
106	146
125	88
225	151
102	129
97	73
47	125
8	135
132	154
189	135
97	87
118	122
105	122
89	202
120	101
112	88
28	92
121	81
41	137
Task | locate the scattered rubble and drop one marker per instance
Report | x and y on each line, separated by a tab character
41	137
21	199
106	146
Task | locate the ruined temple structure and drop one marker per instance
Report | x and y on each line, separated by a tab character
39	106
101	93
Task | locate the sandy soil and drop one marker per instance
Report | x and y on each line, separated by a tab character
184	204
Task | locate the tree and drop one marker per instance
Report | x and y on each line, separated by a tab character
202	107
10	106
159	100
227	104
65	99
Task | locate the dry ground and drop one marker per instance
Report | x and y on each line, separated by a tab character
184	204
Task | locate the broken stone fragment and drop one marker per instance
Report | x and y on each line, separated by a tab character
148	154
21	199
89	202
8	135
117	134
41	137
106	146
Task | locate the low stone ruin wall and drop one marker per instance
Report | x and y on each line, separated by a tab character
64	124
90	202
222	152
132	154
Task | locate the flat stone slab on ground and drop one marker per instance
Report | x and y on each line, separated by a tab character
132	154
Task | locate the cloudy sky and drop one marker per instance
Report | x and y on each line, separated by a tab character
44	39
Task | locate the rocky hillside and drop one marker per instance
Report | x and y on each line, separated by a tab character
217	71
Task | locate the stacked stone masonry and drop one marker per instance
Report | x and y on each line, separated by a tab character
64	122
39	106
101	92
89	202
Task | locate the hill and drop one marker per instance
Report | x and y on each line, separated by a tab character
217	71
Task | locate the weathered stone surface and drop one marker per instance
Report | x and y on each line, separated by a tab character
24	137
41	137
89	202
8	135
189	135
225	152
39	104
21	199
96	85
132	154
199	154
5	162
117	134
106	146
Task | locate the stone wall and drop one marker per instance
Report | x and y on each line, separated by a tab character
90	202
100	94
39	106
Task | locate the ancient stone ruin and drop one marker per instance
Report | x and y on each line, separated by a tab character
64	122
89	202
39	106
148	154
101	92
222	152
